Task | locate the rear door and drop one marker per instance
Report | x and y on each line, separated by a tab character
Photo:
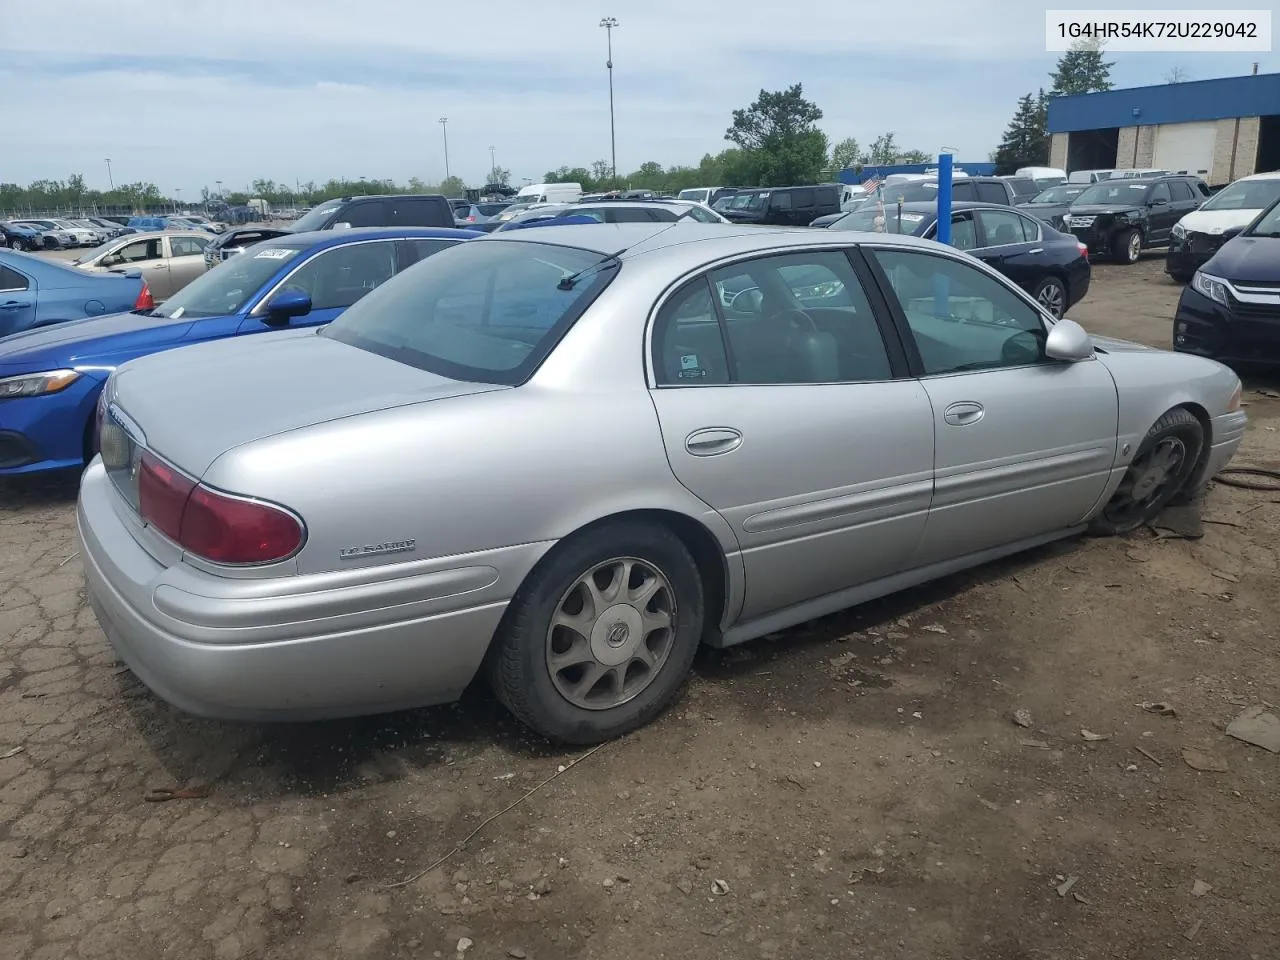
1185	199
186	259
150	257
17	300
1011	243
784	407
334	279
366	213
1024	444
422	212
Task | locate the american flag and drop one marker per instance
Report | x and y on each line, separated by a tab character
872	185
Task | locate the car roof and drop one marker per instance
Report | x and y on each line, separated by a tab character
333	238
631	240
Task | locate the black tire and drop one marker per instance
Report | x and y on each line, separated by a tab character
1051	294
1123	247
517	661
1179	426
1179	277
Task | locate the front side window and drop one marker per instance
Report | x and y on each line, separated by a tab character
487	311
138	251
798	318
339	277
961	318
1159	193
1004	227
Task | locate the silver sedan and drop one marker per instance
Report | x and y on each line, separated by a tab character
563	458
168	259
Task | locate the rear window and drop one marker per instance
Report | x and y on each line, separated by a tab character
487	312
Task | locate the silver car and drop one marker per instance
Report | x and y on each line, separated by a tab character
168	259
565	457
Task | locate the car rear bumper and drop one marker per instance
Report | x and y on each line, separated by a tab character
292	647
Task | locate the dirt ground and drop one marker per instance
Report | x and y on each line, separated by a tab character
852	789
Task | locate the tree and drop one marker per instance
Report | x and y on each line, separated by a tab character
1081	70
1177	74
1026	139
601	172
845	154
779	137
914	156
449	186
884	149
500	175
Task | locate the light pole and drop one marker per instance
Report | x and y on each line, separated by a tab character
219	183
177	203
493	166
363	188
609	23
110	179
444	132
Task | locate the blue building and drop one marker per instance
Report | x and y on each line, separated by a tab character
1221	129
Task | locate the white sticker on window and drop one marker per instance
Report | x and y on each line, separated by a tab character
275	253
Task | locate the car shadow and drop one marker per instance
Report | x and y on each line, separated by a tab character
335	757
56	488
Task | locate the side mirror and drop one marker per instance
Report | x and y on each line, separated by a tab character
1069	342
1230	232
285	306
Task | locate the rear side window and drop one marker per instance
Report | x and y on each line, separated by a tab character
12	279
781	200
366	213
993	192
423	212
487	312
1181	190
960	190
826	197
802	198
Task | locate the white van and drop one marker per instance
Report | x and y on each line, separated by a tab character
539	193
1044	177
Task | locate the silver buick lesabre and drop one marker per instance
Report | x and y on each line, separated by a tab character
564	457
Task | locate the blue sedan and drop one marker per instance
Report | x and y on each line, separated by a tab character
50	379
35	292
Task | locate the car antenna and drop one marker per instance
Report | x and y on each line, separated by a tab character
569	282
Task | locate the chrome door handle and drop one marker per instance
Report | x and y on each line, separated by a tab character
1036	250
711	441
963	413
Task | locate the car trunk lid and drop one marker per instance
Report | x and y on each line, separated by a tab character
192	406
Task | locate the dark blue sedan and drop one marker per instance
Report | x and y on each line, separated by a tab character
50	378
35	292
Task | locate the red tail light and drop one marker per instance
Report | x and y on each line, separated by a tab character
1084	250
145	301
471	219
212	525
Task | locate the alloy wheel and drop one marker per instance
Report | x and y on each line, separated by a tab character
611	633
1053	298
1147	480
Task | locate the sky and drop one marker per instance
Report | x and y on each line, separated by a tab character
188	92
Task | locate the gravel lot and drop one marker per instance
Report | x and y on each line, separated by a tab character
851	789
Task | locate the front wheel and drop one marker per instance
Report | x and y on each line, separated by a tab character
1179	277
601	635
1127	246
1051	294
1159	471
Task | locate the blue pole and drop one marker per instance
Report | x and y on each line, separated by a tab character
944	198
941	291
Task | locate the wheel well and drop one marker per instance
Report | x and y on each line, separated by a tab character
1201	414
701	544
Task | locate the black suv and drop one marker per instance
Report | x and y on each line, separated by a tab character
1121	217
391	210
980	189
783	206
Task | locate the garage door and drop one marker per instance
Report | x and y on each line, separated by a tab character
1185	147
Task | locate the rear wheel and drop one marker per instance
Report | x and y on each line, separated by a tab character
601	635
1159	472
1051	294
1126	246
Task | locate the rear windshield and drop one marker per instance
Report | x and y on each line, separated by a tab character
870	218
487	312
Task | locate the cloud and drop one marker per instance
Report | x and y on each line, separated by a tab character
188	93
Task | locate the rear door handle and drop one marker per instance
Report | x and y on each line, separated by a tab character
1036	250
11	305
963	413
711	441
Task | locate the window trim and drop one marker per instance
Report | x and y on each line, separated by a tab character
890	335
914	360
259	307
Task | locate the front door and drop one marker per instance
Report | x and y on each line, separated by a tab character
334	279
1161	213
147	256
1024	444
783	409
